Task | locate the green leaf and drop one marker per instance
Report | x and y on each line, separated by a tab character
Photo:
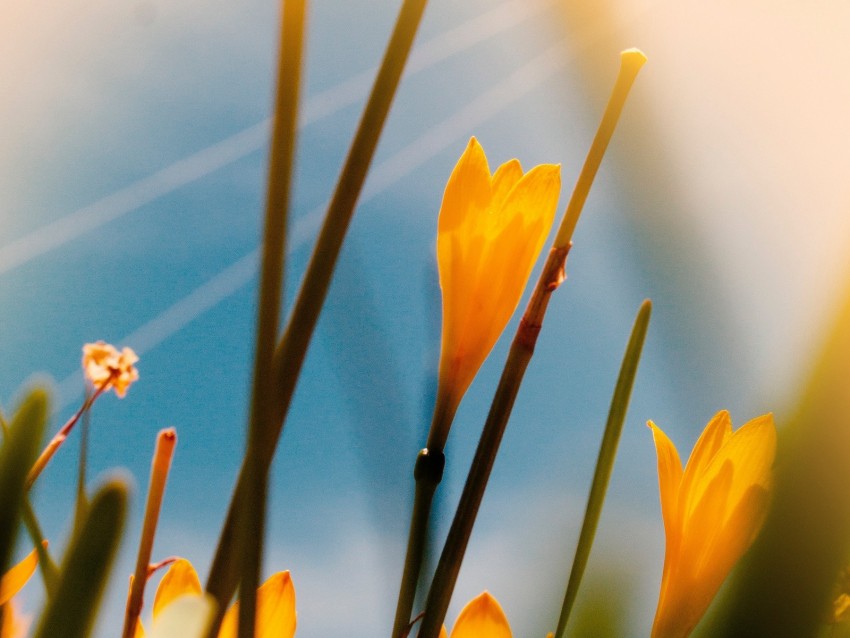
605	461
85	568
18	453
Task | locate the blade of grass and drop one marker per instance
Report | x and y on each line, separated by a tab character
47	566
18	453
262	421
85	568
605	460
519	356
292	348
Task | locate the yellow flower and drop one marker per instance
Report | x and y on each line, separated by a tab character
482	617
275	602
712	512
490	232
105	367
13	624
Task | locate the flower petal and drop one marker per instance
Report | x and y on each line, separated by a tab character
275	610
14	579
180	579
482	618
750	450
14	625
669	480
535	198
718	430
468	191
188	616
504	179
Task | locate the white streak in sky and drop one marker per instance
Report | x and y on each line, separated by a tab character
254	138
384	175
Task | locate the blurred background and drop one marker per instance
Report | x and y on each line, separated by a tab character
132	176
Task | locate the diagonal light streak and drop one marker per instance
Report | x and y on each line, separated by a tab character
254	138
384	175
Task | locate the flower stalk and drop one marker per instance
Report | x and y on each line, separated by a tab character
292	348
519	356
160	466
60	437
262	420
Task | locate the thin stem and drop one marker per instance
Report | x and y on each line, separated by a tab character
57	441
519	356
160	466
81	505
47	566
428	473
631	61
278	195
291	350
605	460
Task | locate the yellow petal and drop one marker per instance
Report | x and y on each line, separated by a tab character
180	579
468	190
710	441
14	579
750	451
443	632
275	610
187	616
733	540
482	618
534	197
669	479
504	179
14	625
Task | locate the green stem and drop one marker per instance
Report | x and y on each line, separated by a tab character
81	505
519	357
62	435
261	427
47	566
291	350
631	61
428	473
605	460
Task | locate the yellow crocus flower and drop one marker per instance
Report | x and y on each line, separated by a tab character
490	231
712	512
482	617
275	602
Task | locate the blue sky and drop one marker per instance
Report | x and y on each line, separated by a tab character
133	180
